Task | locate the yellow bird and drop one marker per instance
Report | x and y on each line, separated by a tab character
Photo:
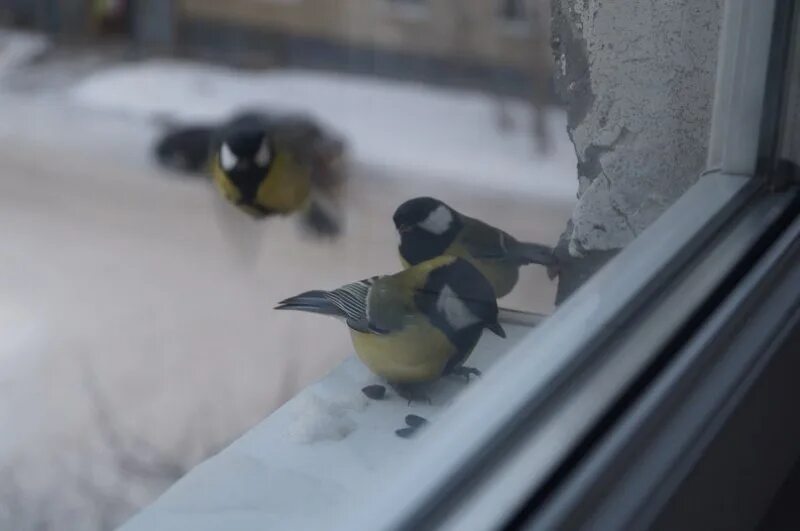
429	228
259	167
414	326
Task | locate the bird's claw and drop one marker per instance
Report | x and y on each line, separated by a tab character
412	393
466	372
419	398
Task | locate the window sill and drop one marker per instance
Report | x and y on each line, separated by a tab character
310	460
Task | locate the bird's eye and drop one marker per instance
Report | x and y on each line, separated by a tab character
262	156
226	158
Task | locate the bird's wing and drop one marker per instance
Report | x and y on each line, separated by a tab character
484	241
353	301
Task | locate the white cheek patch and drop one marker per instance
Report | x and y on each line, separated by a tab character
455	312
226	158
438	221
263	156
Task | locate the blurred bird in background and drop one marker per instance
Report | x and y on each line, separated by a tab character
429	228
266	164
413	327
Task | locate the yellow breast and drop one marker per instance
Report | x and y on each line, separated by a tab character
223	184
418	353
287	187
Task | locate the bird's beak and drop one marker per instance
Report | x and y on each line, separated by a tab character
496	329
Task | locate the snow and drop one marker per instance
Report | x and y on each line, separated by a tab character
267	480
413	129
20	336
18	48
23	339
318	419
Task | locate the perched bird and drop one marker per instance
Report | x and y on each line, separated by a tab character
429	228
414	326
268	168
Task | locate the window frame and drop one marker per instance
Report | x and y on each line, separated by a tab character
525	450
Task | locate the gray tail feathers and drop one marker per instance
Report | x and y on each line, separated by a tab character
536	253
497	329
314	301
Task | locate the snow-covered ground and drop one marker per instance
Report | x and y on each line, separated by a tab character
135	324
18	48
411	128
313	462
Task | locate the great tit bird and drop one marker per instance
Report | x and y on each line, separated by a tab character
188	147
267	168
429	228
414	326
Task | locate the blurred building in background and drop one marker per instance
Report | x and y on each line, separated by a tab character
501	46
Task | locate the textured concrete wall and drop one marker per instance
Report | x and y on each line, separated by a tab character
638	78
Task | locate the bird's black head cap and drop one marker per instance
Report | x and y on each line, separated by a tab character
427	227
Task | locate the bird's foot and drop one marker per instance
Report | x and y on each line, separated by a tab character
412	393
375	391
413	424
465	372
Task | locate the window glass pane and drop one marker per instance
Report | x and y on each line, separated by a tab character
172	170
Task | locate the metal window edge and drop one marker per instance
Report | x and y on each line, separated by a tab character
455	472
637	348
744	46
744	88
458	449
638	468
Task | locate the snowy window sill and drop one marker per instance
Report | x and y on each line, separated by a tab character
313	460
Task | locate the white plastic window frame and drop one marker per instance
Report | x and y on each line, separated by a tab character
452	484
